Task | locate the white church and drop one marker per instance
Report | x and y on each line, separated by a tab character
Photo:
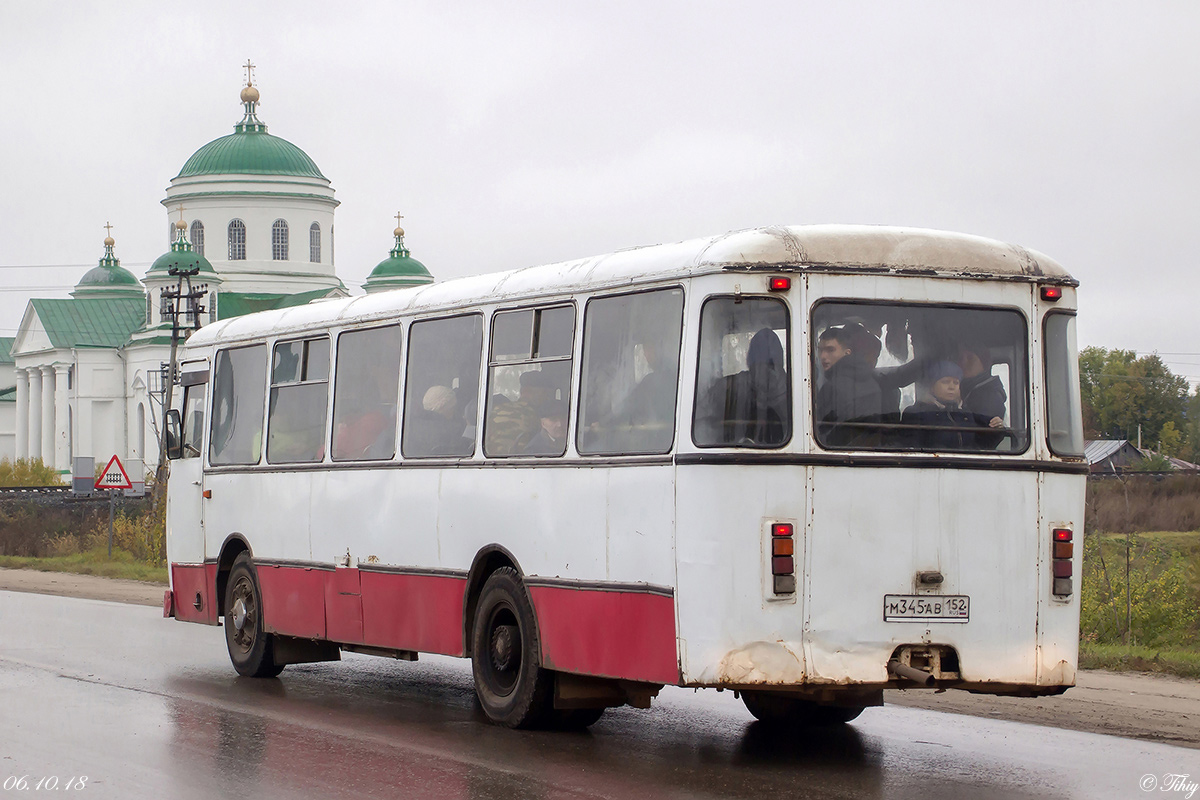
254	214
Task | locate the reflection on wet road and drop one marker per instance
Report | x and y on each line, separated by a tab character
146	707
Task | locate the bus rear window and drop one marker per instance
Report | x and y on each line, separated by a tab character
743	389
920	378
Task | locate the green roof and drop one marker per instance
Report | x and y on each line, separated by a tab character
250	150
109	279
398	270
8	395
91	321
236	304
6	346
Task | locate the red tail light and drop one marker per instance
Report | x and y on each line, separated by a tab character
780	284
783	557
1062	550
1052	293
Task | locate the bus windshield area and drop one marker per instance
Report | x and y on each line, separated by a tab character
918	377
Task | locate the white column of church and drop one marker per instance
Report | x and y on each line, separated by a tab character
62	442
48	417
22	413
35	413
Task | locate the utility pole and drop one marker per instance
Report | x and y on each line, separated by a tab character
181	300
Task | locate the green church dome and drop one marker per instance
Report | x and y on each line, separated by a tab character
398	270
182	258
108	278
250	150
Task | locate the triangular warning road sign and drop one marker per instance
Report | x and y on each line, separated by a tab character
114	476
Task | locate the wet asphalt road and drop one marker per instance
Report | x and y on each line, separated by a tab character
146	707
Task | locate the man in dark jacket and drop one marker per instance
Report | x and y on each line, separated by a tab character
982	392
849	394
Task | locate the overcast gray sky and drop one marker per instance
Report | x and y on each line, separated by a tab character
520	133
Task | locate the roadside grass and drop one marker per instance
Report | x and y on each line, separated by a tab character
1182	662
1150	620
92	562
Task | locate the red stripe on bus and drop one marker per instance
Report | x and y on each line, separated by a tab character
413	612
189	580
343	606
293	600
629	635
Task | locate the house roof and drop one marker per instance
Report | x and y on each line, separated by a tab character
1099	449
90	322
6	346
236	304
8	395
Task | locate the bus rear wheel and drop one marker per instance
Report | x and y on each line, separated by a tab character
782	710
513	689
251	648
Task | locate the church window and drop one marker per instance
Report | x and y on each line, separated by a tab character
198	237
212	307
279	240
237	240
314	243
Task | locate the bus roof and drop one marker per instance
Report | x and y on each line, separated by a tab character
805	248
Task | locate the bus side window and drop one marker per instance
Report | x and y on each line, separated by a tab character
743	390
365	392
630	373
299	398
441	387
529	382
239	383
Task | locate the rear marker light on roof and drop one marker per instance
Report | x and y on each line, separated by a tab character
783	555
1052	293
780	284
1062	549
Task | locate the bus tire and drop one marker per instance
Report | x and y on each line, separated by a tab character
251	649
512	687
784	711
575	719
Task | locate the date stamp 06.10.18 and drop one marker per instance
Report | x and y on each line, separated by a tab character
48	783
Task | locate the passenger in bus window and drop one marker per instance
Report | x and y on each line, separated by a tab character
551	439
513	425
939	420
982	392
441	428
850	391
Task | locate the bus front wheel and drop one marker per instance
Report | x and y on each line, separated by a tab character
251	649
776	709
512	688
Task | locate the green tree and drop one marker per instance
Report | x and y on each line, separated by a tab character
1122	390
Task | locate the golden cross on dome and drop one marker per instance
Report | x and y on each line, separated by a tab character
180	210
249	72
399	217
108	229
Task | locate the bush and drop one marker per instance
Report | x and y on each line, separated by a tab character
1163	599
27	472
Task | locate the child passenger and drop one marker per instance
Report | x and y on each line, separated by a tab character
939	421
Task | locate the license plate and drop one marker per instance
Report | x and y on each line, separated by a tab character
926	608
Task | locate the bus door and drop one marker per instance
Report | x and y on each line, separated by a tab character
185	507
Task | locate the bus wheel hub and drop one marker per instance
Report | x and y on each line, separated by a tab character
239	614
504	645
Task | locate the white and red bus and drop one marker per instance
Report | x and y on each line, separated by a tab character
804	463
